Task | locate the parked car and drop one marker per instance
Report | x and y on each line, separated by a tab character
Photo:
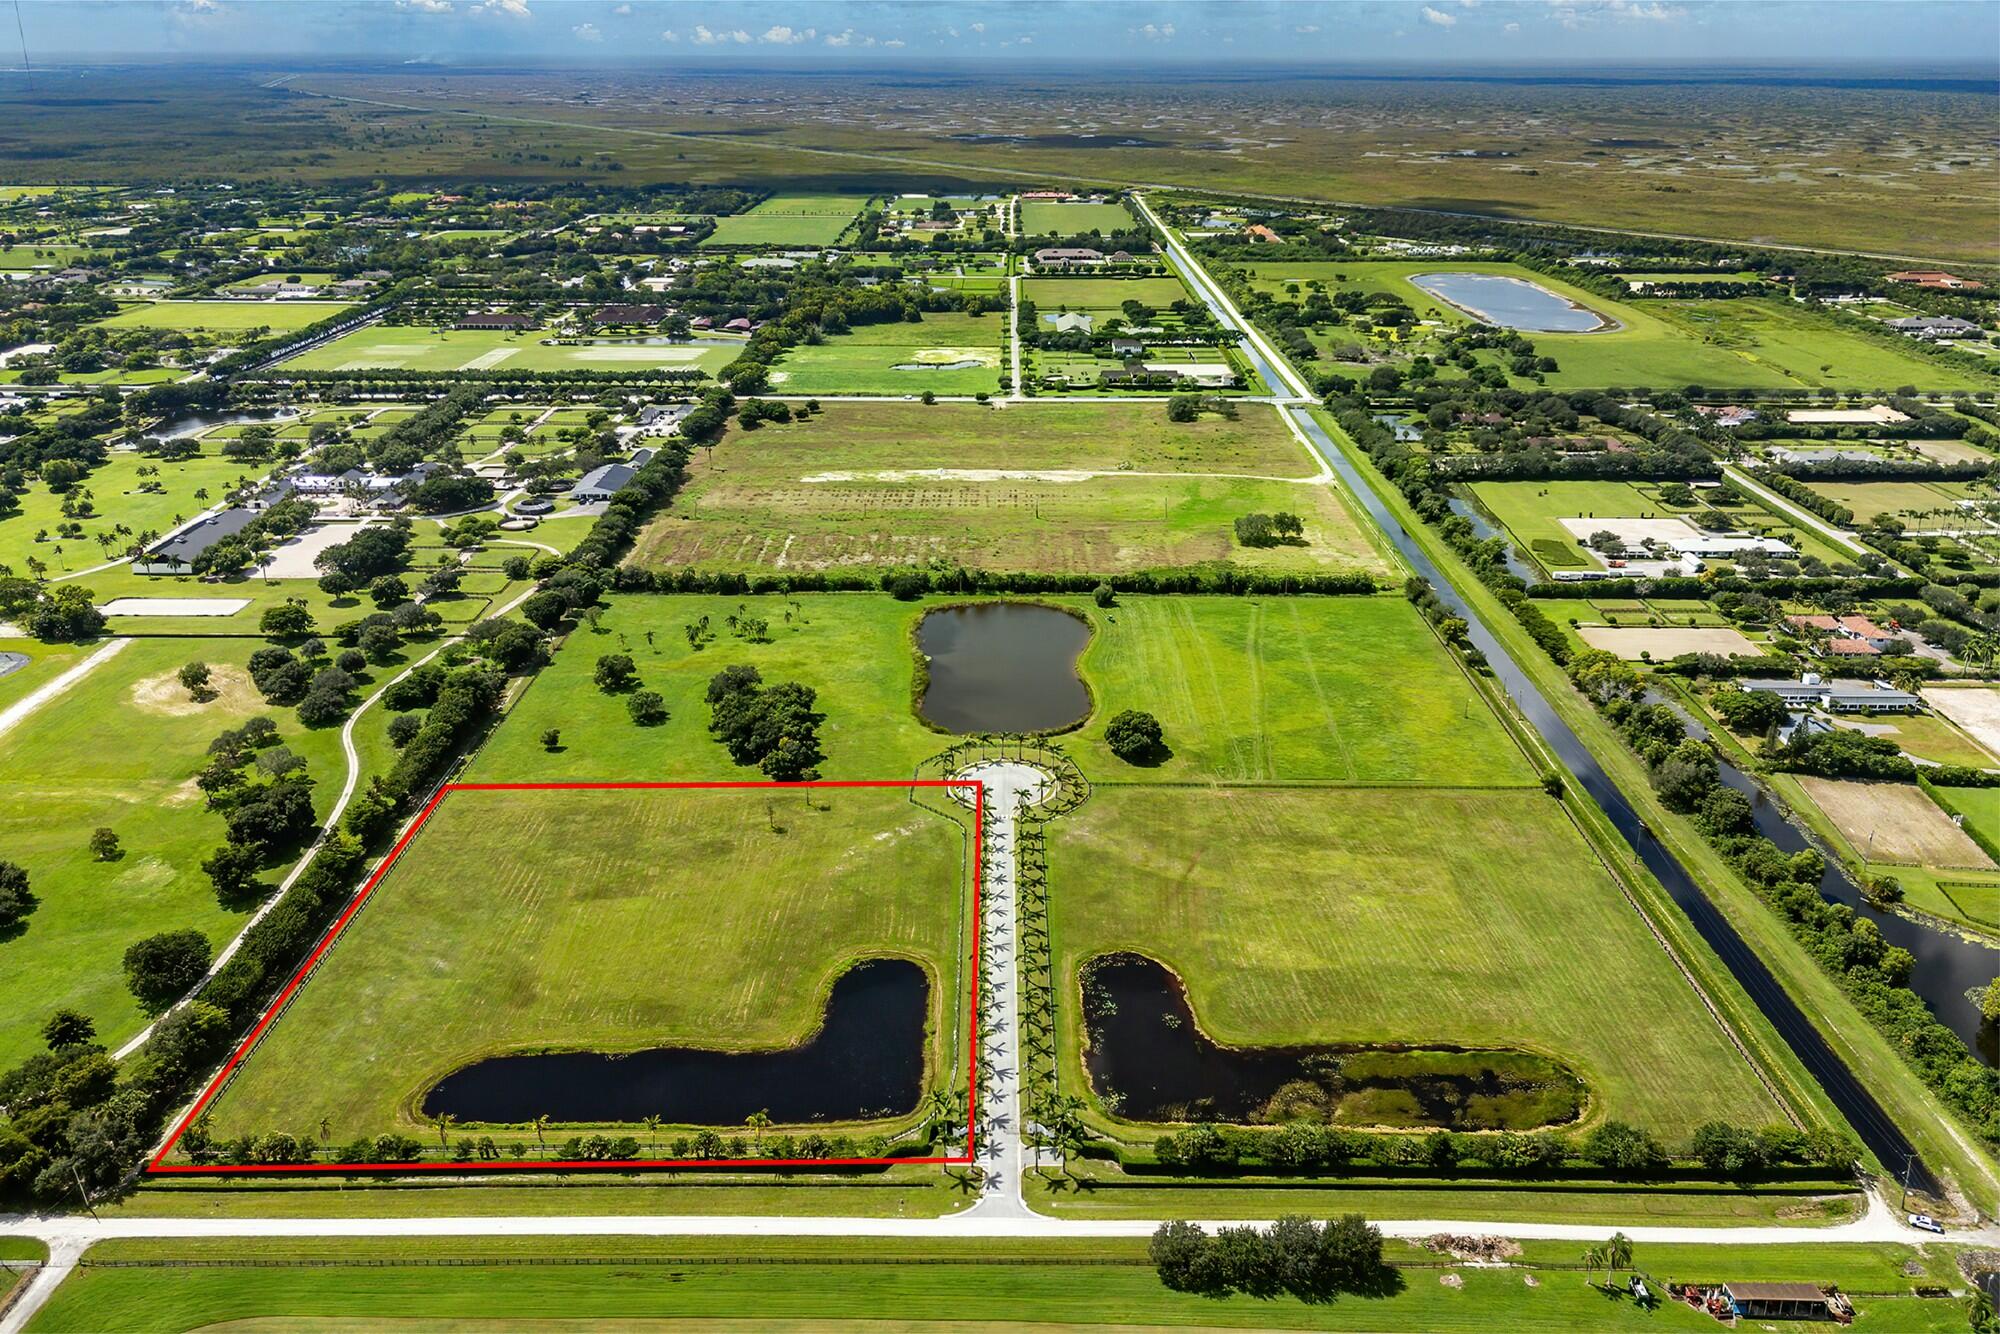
1927	1223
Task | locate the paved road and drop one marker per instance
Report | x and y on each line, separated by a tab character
1798	514
1002	1153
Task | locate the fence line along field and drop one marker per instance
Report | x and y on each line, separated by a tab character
608	921
1056	487
1321	915
1894	822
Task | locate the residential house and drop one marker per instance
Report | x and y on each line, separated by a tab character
1068	257
1851	636
1127	347
636	315
1935	278
1936	326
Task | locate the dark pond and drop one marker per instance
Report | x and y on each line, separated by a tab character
1147	1059
182	427
1003	667
867	1061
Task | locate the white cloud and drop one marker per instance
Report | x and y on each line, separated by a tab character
704	37
587	32
1653	12
1511	28
780	35
513	9
894	41
1306	29
979	27
1161	33
426	6
1027	41
623	11
670	36
1440	18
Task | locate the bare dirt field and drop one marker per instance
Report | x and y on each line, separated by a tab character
1974	708
1664	641
1894	822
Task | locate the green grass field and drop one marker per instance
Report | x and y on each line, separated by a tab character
1347	690
421	348
734	911
1287	689
224	316
1479	918
1920	504
1531	511
1043	486
116	499
942	353
1760	343
1100	296
802	220
59	780
793	1285
1041	217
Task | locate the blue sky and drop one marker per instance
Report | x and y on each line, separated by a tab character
841	34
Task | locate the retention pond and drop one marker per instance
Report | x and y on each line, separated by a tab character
1148	1060
1003	667
1511	303
866	1062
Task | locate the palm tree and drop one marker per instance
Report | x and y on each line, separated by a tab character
445	1122
1617	1254
1593	1260
541	1124
652	1124
758	1123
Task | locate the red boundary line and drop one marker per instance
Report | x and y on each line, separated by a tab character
158	1166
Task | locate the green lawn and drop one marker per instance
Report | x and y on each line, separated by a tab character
1282	689
422	348
1041	217
1920	504
116	498
1045	486
941	353
1758	342
59	781
224	316
1101	296
734	912
798	1284
1346	690
800	220
1475	918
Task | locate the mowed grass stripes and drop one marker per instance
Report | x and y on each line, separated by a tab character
1323	915
607	921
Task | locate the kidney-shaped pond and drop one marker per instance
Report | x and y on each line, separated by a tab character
1149	1062
1511	303
1003	667
866	1062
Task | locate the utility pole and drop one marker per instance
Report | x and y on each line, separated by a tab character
85	1194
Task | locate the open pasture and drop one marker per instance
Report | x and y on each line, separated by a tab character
420	348
941	353
735	910
801	220
1920	505
1320	915
1041	217
59	780
223	316
1047	486
1101	297
116	496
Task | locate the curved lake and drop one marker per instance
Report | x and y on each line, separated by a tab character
1511	303
1148	1060
866	1062
1003	667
